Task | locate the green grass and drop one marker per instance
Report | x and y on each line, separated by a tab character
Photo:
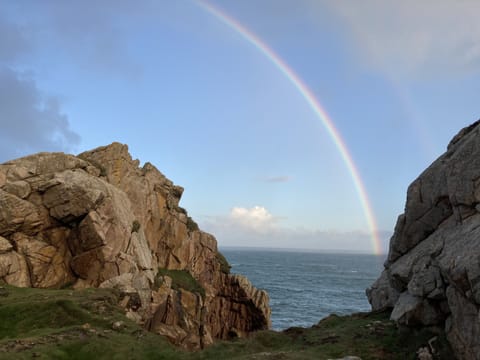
181	279
367	335
25	312
68	324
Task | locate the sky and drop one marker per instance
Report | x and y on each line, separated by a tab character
192	91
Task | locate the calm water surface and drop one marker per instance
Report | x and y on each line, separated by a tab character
304	287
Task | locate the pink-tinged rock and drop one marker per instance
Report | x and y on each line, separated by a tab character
5	245
18	215
98	219
14	269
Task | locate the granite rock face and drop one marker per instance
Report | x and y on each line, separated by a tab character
100	220
432	274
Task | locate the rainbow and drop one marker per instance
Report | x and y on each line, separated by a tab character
317	108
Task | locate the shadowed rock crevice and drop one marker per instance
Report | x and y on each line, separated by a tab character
432	274
99	220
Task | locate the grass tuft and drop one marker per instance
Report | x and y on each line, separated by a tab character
181	279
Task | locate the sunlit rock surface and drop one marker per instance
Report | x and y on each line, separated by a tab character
100	220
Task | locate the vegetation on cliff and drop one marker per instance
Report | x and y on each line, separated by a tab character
224	265
86	324
181	279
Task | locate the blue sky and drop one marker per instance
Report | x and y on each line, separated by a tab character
192	96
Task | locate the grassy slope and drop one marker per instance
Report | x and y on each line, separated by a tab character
66	324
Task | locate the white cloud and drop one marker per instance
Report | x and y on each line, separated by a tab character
412	38
257	218
257	227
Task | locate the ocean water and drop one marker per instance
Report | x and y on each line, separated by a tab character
305	287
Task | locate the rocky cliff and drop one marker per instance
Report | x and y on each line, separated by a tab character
100	220
432	274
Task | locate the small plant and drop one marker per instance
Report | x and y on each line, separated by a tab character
177	191
224	265
191	224
181	210
103	170
135	226
68	285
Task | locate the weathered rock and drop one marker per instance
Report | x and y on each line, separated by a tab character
40	164
424	354
100	220
19	188
434	257
18	215
428	283
382	294
413	310
3	178
75	194
179	317
5	245
48	267
249	301
14	269
463	327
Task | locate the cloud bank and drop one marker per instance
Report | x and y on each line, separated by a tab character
257	227
30	120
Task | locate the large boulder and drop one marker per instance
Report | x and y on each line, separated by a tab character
100	220
432	273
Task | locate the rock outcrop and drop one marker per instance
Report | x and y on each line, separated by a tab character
432	273
100	220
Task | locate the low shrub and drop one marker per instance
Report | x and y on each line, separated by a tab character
191	224
224	265
135	226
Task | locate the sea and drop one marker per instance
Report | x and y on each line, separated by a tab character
306	286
